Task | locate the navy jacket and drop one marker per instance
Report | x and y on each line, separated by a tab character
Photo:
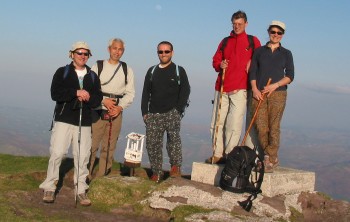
64	92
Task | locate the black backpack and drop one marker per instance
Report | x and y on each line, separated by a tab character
243	172
124	66
250	40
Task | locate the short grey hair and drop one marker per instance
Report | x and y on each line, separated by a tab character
110	43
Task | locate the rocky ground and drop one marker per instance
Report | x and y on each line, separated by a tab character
182	191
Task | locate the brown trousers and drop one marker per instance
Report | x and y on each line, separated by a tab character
105	137
268	122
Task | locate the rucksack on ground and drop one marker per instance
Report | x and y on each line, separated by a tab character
243	173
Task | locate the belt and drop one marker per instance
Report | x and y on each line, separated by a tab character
110	95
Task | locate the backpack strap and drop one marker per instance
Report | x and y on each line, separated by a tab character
251	43
99	67
250	40
124	66
224	43
177	73
66	70
125	70
248	203
92	76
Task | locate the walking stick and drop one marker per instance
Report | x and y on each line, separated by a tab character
218	115
254	116
79	138
109	143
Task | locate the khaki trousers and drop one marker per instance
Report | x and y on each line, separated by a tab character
104	135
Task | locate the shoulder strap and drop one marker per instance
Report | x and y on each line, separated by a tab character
92	76
177	73
224	43
99	67
66	70
125	70
251	42
151	77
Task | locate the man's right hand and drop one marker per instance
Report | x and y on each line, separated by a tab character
109	103
224	64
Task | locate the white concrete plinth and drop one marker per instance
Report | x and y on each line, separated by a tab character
281	181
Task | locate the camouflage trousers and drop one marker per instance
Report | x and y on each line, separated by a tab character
156	125
268	121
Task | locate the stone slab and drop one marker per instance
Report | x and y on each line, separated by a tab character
281	181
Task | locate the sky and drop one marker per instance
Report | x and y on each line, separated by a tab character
36	36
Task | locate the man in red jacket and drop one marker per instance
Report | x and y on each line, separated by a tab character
233	55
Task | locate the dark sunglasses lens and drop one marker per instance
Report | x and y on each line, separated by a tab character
82	53
166	51
274	32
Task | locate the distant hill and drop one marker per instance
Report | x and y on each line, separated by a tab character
324	151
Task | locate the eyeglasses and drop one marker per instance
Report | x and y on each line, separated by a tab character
82	53
166	51
274	32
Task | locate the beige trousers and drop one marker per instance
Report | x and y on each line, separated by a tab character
63	135
226	123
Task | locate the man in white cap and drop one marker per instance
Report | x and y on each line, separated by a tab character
76	90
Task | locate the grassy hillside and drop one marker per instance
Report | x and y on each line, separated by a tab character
115	198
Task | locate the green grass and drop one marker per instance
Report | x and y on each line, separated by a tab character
20	174
19	164
181	212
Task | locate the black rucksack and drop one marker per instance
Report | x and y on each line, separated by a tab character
250	40
243	173
124	66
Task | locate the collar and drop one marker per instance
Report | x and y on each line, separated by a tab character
267	45
233	34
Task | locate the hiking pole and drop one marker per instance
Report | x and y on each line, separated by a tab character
254	116
109	143
79	138
218	114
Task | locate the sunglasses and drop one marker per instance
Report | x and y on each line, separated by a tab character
274	32
82	53
166	51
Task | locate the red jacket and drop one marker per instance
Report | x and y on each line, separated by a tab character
236	75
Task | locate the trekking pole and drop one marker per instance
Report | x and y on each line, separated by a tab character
218	114
254	116
79	138
109	143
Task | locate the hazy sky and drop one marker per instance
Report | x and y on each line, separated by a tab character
37	35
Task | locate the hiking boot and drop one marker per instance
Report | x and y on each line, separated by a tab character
156	177
84	200
49	196
175	171
216	160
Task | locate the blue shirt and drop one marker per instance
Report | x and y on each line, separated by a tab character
275	65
